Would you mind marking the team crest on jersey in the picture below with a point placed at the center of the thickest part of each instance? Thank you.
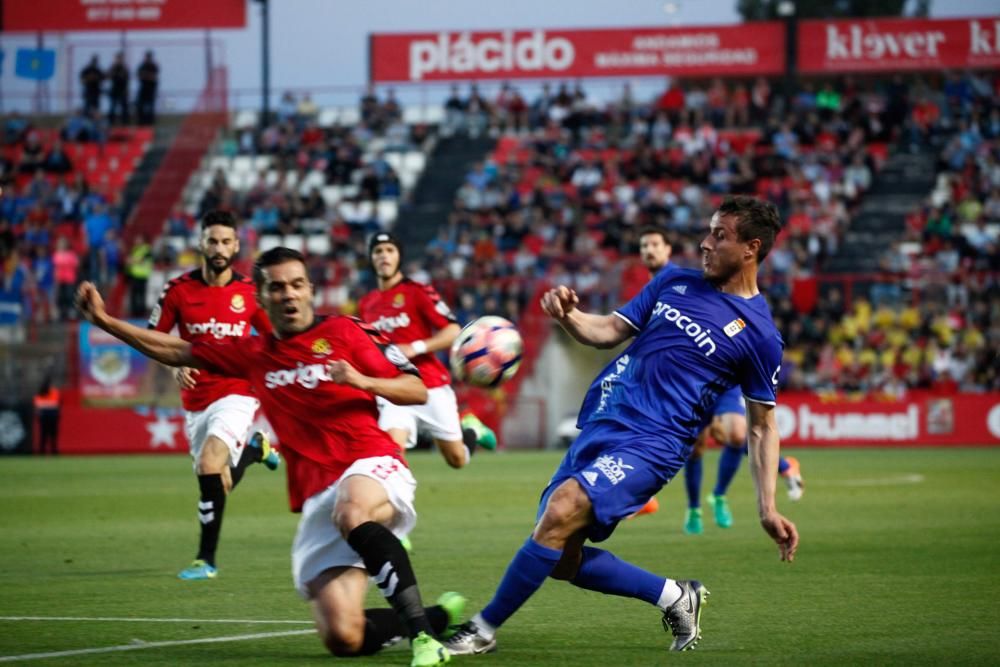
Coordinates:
(238, 304)
(321, 347)
(398, 301)
(735, 327)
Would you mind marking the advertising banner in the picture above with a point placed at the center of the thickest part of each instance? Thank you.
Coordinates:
(64, 15)
(16, 428)
(140, 430)
(114, 374)
(920, 419)
(890, 45)
(526, 54)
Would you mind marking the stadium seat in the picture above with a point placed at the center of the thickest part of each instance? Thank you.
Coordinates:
(218, 162)
(242, 164)
(245, 119)
(327, 117)
(295, 242)
(434, 114)
(388, 211)
(331, 194)
(413, 115)
(414, 161)
(318, 244)
(262, 163)
(268, 241)
(348, 116)
(395, 160)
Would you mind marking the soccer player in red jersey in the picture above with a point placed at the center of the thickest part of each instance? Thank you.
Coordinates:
(317, 379)
(215, 303)
(414, 317)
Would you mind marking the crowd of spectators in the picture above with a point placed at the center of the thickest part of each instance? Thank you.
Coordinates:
(563, 196)
(283, 197)
(571, 181)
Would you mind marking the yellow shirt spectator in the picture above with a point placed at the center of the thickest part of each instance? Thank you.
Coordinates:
(884, 318)
(909, 318)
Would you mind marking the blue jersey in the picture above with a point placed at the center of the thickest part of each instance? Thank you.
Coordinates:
(731, 401)
(693, 342)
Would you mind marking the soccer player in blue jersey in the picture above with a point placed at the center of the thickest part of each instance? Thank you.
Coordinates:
(696, 334)
(728, 426)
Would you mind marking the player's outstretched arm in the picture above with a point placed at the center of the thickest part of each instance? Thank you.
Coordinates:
(404, 389)
(601, 331)
(762, 435)
(441, 340)
(166, 349)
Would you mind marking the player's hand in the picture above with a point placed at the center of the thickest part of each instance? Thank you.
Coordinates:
(784, 534)
(185, 377)
(559, 302)
(407, 350)
(342, 372)
(89, 302)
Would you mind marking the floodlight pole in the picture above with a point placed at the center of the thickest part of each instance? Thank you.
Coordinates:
(265, 60)
(787, 10)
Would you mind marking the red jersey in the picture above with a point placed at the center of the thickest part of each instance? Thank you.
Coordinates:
(203, 312)
(407, 312)
(323, 427)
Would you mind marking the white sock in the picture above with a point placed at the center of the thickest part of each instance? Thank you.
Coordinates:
(485, 629)
(670, 594)
(468, 454)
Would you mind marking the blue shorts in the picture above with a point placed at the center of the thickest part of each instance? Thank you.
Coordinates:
(618, 472)
(731, 402)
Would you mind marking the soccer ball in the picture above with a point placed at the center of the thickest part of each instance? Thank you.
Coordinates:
(486, 352)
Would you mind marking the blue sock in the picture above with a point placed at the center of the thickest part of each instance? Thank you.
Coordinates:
(532, 564)
(782, 465)
(604, 572)
(729, 463)
(692, 482)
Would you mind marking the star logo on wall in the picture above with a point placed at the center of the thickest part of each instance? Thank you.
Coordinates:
(161, 432)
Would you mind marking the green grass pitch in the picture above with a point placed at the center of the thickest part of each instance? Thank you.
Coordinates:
(898, 565)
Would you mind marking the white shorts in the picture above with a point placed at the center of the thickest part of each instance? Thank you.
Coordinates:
(438, 416)
(229, 419)
(318, 544)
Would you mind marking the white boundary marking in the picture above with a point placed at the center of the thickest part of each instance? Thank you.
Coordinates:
(147, 620)
(894, 480)
(145, 645)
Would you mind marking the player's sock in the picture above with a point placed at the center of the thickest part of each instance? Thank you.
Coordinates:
(692, 482)
(211, 505)
(783, 465)
(384, 627)
(531, 565)
(604, 572)
(469, 438)
(729, 464)
(249, 456)
(389, 565)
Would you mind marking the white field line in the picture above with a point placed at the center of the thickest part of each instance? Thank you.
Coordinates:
(145, 645)
(893, 480)
(148, 620)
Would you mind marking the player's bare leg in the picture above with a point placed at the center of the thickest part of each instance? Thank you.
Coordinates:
(361, 515)
(217, 476)
(401, 437)
(214, 483)
(456, 453)
(692, 482)
(730, 430)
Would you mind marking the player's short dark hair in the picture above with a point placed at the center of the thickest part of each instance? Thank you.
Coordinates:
(758, 219)
(647, 230)
(273, 257)
(224, 218)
